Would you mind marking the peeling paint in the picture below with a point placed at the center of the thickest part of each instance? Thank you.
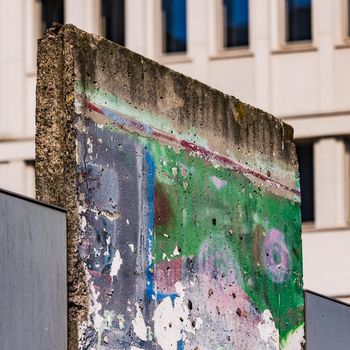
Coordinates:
(171, 320)
(295, 340)
(121, 320)
(139, 324)
(268, 332)
(132, 247)
(180, 242)
(176, 251)
(116, 263)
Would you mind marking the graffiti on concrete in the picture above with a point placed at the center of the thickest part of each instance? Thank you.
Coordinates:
(183, 247)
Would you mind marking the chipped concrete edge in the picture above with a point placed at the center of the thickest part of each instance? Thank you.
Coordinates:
(55, 167)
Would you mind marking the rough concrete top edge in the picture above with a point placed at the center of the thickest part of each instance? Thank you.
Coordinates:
(236, 122)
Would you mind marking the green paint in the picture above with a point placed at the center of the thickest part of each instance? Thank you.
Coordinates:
(238, 210)
(235, 217)
(239, 214)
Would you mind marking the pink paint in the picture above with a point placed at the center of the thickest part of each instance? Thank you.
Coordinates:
(167, 273)
(183, 171)
(218, 183)
(223, 301)
(276, 256)
(225, 296)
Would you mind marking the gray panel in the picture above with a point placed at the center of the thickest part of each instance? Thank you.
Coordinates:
(327, 323)
(33, 293)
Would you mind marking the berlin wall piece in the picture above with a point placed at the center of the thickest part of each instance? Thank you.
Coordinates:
(183, 204)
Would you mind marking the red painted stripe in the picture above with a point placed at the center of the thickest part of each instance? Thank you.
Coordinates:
(192, 147)
(93, 107)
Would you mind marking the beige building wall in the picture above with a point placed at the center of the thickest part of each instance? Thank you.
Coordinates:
(307, 85)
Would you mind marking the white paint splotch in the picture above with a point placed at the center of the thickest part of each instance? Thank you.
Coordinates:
(295, 340)
(171, 320)
(116, 263)
(132, 247)
(268, 331)
(139, 324)
(95, 306)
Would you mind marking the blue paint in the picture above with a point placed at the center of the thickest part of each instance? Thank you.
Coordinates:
(114, 116)
(180, 345)
(117, 118)
(150, 292)
(172, 296)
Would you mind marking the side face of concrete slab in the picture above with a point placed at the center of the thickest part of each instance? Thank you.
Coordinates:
(33, 295)
(184, 204)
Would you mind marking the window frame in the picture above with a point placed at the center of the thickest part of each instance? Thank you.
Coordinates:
(235, 51)
(170, 57)
(308, 225)
(302, 45)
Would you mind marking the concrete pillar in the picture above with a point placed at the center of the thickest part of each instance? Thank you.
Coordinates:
(323, 28)
(339, 21)
(330, 189)
(152, 29)
(86, 14)
(12, 68)
(136, 26)
(197, 37)
(276, 24)
(32, 32)
(261, 46)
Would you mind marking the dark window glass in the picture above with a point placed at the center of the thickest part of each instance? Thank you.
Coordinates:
(174, 26)
(113, 20)
(306, 169)
(298, 20)
(52, 11)
(236, 23)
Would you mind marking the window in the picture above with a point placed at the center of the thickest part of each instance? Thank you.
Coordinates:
(113, 20)
(52, 11)
(298, 20)
(306, 169)
(236, 23)
(174, 26)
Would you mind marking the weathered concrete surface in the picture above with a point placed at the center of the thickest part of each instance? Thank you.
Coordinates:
(184, 204)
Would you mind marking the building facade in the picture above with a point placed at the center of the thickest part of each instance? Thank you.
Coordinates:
(288, 57)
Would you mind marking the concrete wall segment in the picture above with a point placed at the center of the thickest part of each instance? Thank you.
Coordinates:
(169, 185)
